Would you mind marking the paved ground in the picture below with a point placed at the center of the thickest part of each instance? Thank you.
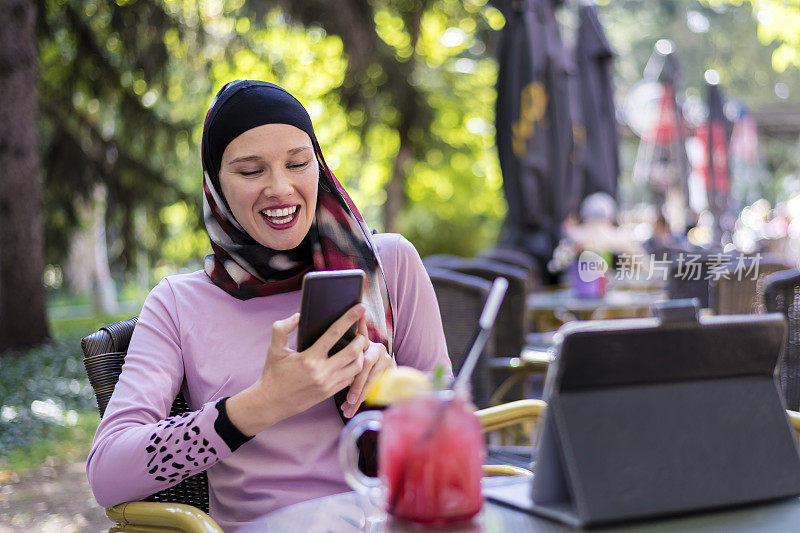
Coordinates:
(51, 498)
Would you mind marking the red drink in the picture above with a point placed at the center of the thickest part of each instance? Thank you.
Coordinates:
(430, 454)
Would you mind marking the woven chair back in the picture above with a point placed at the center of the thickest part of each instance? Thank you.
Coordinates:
(782, 295)
(512, 320)
(104, 356)
(742, 291)
(461, 299)
(516, 258)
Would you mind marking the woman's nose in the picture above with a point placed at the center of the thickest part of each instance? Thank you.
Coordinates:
(277, 184)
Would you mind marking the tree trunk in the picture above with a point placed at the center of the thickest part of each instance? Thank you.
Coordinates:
(87, 268)
(104, 293)
(396, 187)
(23, 320)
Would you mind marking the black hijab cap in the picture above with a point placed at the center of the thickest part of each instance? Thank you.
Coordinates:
(242, 105)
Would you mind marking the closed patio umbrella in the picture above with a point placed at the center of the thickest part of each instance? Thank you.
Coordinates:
(594, 59)
(661, 159)
(534, 130)
(715, 135)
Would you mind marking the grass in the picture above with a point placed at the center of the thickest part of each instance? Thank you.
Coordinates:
(47, 407)
(65, 444)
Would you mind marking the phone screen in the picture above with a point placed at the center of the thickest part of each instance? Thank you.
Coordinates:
(327, 295)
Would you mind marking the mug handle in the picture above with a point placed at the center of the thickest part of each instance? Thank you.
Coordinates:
(348, 455)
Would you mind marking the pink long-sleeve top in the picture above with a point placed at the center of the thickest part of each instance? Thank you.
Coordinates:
(193, 337)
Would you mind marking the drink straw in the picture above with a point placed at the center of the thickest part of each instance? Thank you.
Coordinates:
(485, 323)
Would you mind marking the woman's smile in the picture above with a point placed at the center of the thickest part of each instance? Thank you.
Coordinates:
(281, 217)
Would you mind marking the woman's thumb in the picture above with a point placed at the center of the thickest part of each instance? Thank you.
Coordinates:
(282, 328)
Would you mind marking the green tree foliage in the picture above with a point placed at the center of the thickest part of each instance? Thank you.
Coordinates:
(778, 23)
(401, 94)
(417, 90)
(118, 106)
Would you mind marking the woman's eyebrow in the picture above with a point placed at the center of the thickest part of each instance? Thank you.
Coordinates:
(245, 158)
(299, 149)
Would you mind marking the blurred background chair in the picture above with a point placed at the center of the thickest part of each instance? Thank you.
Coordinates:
(512, 324)
(742, 291)
(461, 298)
(690, 275)
(782, 295)
(182, 507)
(514, 257)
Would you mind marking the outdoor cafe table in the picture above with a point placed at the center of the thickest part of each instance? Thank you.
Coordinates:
(616, 303)
(350, 512)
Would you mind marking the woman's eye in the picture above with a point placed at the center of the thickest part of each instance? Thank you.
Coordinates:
(297, 165)
(249, 172)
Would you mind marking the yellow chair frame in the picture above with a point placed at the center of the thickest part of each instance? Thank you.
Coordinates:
(508, 414)
(152, 517)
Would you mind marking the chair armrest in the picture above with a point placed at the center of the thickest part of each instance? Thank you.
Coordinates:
(511, 413)
(152, 516)
(505, 470)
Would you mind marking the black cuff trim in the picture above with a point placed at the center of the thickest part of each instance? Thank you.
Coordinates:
(225, 428)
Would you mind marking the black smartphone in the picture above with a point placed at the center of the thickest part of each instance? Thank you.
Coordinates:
(327, 295)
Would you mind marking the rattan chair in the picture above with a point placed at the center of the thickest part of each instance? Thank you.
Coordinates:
(782, 295)
(512, 322)
(182, 507)
(742, 290)
(461, 298)
(514, 257)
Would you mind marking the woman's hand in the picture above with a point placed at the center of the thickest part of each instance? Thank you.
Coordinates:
(294, 381)
(376, 360)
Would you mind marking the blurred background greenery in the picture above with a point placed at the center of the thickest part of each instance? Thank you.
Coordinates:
(401, 93)
(402, 96)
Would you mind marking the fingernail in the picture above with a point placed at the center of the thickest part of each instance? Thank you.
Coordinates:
(351, 398)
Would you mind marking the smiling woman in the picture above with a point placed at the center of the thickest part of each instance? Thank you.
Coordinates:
(264, 428)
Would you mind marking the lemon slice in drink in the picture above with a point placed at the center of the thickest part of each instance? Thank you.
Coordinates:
(396, 384)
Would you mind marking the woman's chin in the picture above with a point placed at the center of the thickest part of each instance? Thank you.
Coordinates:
(280, 240)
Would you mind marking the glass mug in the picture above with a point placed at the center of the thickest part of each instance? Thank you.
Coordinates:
(430, 456)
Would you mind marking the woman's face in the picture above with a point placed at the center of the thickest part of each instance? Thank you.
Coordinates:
(269, 177)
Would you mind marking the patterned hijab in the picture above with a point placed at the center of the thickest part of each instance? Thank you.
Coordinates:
(338, 238)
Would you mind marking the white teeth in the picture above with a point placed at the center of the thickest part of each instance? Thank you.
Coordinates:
(280, 212)
(286, 214)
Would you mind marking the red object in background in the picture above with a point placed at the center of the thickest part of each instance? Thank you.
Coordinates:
(722, 184)
(665, 128)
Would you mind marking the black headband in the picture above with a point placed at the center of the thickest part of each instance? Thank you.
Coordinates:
(242, 105)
